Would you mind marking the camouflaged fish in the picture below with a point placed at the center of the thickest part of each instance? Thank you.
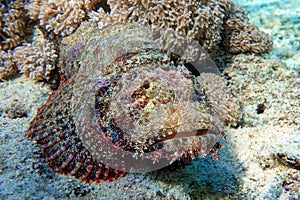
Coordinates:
(127, 105)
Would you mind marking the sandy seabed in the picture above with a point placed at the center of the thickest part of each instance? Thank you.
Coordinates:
(248, 166)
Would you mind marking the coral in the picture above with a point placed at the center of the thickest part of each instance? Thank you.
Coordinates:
(36, 60)
(13, 19)
(61, 17)
(209, 22)
(175, 24)
(128, 107)
(8, 67)
(240, 36)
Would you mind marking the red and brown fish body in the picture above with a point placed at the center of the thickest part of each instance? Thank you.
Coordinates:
(128, 106)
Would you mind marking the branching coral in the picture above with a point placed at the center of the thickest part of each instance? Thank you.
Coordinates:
(240, 36)
(210, 22)
(36, 60)
(8, 67)
(12, 24)
(60, 17)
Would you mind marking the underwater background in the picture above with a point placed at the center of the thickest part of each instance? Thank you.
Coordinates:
(260, 158)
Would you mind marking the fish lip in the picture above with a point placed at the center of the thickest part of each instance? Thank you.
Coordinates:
(159, 142)
(185, 134)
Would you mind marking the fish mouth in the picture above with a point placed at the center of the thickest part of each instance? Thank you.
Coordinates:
(156, 143)
(184, 134)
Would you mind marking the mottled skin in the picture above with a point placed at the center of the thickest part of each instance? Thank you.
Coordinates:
(145, 112)
(54, 129)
